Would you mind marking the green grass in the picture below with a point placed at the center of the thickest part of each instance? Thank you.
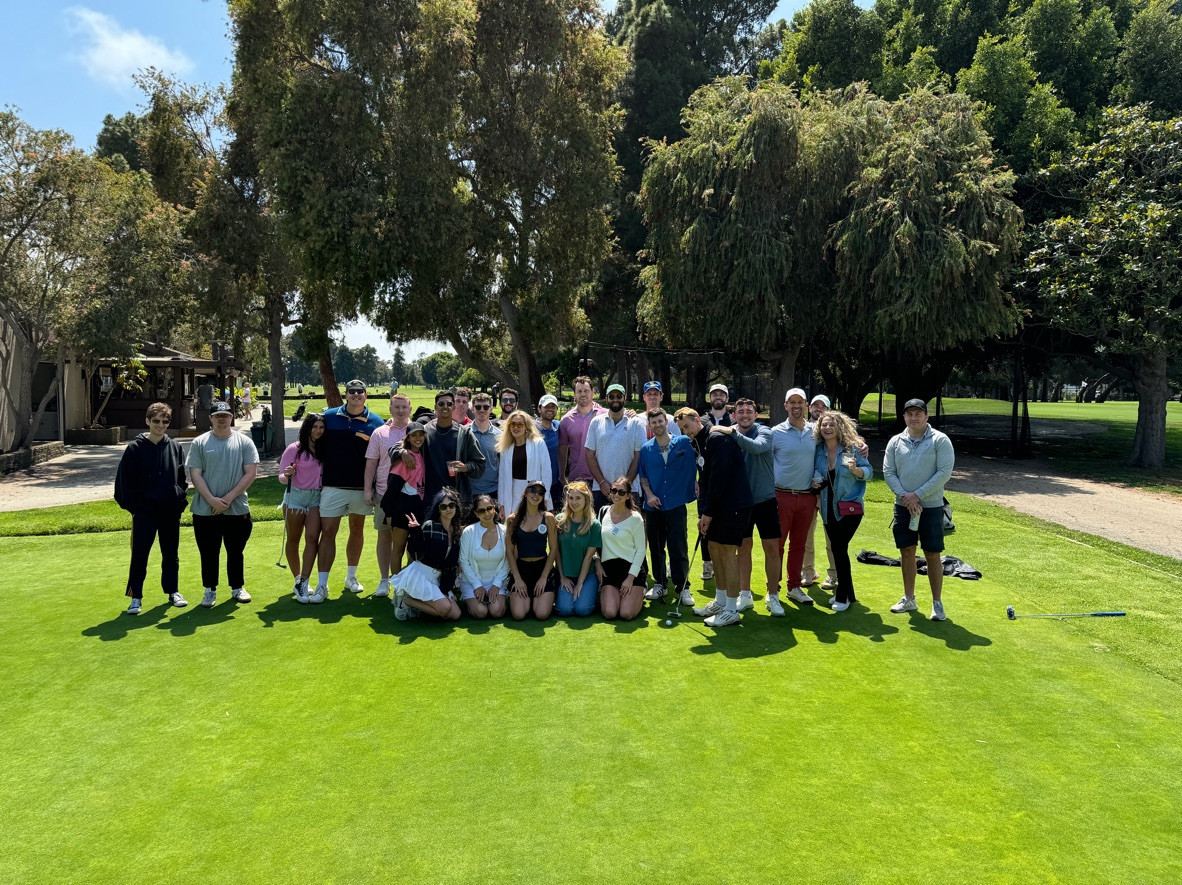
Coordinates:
(1090, 440)
(279, 742)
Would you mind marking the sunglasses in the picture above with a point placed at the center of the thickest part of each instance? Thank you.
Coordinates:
(447, 505)
(619, 492)
(484, 509)
(442, 404)
(356, 391)
(745, 402)
(508, 402)
(534, 490)
(482, 407)
(163, 421)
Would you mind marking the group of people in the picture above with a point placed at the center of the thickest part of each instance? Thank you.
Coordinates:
(522, 515)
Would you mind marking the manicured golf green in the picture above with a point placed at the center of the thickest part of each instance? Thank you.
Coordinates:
(276, 742)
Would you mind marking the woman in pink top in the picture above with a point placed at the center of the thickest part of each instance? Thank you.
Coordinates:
(299, 470)
(404, 493)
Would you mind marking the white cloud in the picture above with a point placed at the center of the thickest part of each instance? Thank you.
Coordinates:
(111, 54)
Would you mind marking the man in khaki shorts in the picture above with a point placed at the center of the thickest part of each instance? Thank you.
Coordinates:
(347, 431)
(377, 470)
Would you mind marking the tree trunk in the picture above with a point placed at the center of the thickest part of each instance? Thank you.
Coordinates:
(529, 379)
(328, 377)
(479, 363)
(278, 372)
(1153, 392)
(785, 373)
(910, 378)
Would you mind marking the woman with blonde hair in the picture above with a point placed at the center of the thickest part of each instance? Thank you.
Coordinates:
(523, 456)
(579, 538)
(840, 471)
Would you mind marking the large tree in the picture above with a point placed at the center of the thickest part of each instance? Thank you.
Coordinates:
(1110, 266)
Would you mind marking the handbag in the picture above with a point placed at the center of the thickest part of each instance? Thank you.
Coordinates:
(849, 508)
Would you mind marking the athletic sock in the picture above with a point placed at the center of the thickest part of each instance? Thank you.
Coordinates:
(745, 595)
(732, 603)
(720, 596)
(322, 581)
(350, 573)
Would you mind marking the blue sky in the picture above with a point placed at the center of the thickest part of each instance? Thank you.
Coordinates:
(65, 65)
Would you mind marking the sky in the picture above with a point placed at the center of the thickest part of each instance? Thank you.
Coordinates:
(66, 65)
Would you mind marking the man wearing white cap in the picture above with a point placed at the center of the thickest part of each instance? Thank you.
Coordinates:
(818, 406)
(613, 447)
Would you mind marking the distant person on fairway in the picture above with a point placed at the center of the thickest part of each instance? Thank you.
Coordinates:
(222, 464)
(150, 484)
(918, 463)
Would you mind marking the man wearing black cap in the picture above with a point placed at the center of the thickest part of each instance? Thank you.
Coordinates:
(347, 430)
(918, 463)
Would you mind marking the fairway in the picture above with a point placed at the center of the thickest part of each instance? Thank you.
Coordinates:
(278, 742)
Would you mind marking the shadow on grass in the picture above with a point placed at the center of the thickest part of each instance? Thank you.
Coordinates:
(189, 621)
(952, 634)
(123, 624)
(333, 610)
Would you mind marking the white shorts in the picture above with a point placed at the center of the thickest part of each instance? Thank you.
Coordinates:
(336, 502)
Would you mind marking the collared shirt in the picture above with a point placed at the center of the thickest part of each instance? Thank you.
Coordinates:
(671, 477)
(793, 452)
(572, 432)
(921, 466)
(615, 444)
(379, 449)
(343, 446)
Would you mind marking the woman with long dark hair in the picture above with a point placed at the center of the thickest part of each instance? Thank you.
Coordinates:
(532, 548)
(622, 571)
(484, 563)
(404, 497)
(426, 585)
(299, 470)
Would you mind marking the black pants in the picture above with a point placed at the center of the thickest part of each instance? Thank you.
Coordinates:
(146, 527)
(840, 531)
(211, 532)
(667, 529)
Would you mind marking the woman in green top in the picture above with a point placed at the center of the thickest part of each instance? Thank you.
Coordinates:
(579, 538)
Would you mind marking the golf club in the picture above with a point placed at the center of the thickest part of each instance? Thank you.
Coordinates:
(283, 539)
(676, 613)
(1013, 616)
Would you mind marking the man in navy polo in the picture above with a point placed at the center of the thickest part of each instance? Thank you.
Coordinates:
(667, 470)
(347, 430)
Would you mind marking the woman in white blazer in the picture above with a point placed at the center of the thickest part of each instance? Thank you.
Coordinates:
(524, 456)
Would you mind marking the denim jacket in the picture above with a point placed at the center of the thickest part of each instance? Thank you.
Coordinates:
(849, 487)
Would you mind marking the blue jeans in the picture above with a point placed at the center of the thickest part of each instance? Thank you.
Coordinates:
(566, 605)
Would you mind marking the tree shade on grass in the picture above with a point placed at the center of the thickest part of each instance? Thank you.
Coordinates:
(275, 741)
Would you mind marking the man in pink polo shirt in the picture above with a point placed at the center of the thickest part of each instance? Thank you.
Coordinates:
(377, 469)
(572, 433)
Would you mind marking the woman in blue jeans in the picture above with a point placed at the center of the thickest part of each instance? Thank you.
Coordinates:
(579, 537)
(841, 473)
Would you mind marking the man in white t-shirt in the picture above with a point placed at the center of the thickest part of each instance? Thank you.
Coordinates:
(613, 447)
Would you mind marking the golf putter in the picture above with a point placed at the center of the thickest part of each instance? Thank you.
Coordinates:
(1013, 616)
(283, 539)
(676, 613)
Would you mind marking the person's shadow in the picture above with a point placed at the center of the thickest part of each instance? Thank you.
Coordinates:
(195, 617)
(952, 634)
(123, 624)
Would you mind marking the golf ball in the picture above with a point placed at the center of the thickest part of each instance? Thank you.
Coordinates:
(668, 623)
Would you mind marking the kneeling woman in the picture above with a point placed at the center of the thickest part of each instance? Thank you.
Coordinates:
(841, 474)
(484, 564)
(623, 571)
(533, 552)
(579, 538)
(426, 584)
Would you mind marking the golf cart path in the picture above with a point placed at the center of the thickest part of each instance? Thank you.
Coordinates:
(1140, 519)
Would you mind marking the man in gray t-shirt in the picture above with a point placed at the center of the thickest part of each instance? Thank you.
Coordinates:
(222, 464)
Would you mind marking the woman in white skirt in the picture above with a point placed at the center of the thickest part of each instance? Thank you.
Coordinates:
(524, 456)
(484, 567)
(426, 585)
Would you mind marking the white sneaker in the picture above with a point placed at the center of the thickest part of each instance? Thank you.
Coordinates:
(240, 595)
(707, 571)
(807, 580)
(687, 598)
(177, 601)
(906, 604)
(724, 618)
(938, 611)
(840, 606)
(210, 598)
(135, 607)
(401, 609)
(301, 590)
(798, 595)
(746, 603)
(319, 595)
(709, 609)
(830, 585)
(656, 593)
(353, 585)
(774, 607)
(383, 589)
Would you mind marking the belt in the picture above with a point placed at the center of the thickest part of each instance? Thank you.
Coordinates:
(796, 491)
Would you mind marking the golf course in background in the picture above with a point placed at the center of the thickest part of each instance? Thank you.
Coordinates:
(274, 742)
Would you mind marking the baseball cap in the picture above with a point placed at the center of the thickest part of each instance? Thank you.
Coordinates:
(535, 484)
(795, 391)
(653, 385)
(915, 403)
(715, 387)
(548, 400)
(612, 388)
(220, 408)
(822, 398)
(355, 383)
